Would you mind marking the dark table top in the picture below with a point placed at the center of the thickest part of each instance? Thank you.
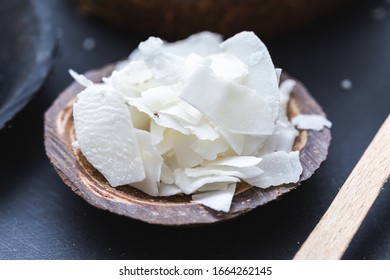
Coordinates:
(41, 218)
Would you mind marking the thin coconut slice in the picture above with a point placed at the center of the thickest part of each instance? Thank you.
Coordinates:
(157, 132)
(163, 106)
(163, 120)
(285, 89)
(181, 145)
(170, 161)
(217, 200)
(131, 79)
(314, 122)
(279, 168)
(168, 189)
(261, 71)
(194, 61)
(167, 176)
(242, 173)
(296, 165)
(157, 98)
(165, 145)
(220, 186)
(235, 161)
(252, 143)
(203, 44)
(81, 79)
(234, 140)
(181, 111)
(278, 73)
(106, 137)
(209, 150)
(135, 72)
(282, 139)
(139, 119)
(202, 130)
(166, 67)
(242, 144)
(217, 99)
(228, 67)
(152, 162)
(190, 185)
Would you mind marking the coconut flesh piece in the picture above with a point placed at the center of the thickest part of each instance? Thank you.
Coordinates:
(105, 136)
(314, 122)
(196, 117)
(279, 168)
(262, 76)
(81, 79)
(217, 200)
(218, 99)
(152, 163)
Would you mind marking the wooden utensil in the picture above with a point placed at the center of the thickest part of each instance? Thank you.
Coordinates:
(333, 234)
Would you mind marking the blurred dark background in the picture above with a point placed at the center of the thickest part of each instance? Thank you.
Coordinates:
(344, 61)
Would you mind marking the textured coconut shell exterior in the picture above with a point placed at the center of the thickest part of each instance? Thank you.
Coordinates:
(173, 19)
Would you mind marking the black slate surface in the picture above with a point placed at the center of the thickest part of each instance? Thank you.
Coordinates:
(41, 218)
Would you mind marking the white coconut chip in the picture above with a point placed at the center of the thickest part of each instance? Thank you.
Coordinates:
(152, 163)
(81, 79)
(241, 144)
(168, 189)
(252, 143)
(217, 99)
(202, 44)
(217, 200)
(282, 139)
(190, 185)
(105, 136)
(228, 67)
(278, 73)
(203, 130)
(234, 140)
(139, 119)
(194, 61)
(220, 186)
(135, 72)
(243, 172)
(158, 98)
(165, 145)
(163, 120)
(179, 111)
(157, 132)
(235, 161)
(170, 161)
(313, 122)
(167, 176)
(279, 168)
(181, 145)
(166, 67)
(209, 150)
(284, 91)
(261, 77)
(131, 79)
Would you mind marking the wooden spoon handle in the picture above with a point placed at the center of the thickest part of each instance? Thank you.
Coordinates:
(332, 235)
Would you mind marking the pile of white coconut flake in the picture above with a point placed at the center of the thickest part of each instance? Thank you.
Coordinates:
(196, 117)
